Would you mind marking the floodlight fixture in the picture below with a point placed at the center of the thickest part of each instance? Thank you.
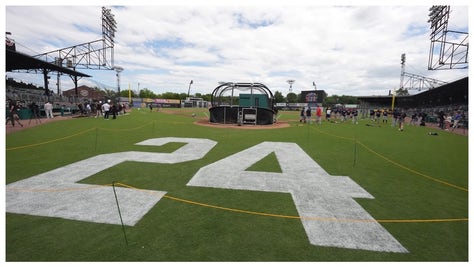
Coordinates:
(449, 49)
(109, 25)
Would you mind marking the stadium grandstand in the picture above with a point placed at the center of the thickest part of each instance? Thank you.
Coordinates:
(448, 99)
(27, 93)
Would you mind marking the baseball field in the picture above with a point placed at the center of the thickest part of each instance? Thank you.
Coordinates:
(167, 186)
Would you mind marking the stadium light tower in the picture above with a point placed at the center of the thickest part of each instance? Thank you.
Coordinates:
(403, 58)
(314, 84)
(291, 82)
(448, 49)
(415, 81)
(118, 69)
(96, 55)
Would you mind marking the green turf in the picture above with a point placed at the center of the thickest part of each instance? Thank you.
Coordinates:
(412, 175)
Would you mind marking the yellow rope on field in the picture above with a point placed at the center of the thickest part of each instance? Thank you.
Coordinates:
(248, 211)
(396, 163)
(76, 134)
(50, 141)
(304, 218)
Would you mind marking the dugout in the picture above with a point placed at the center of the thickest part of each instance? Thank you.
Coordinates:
(242, 103)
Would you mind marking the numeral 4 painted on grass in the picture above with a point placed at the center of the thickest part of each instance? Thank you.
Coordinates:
(325, 203)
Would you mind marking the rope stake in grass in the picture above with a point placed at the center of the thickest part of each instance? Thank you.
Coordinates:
(355, 152)
(96, 134)
(120, 214)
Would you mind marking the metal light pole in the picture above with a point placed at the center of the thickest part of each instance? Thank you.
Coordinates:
(189, 89)
(403, 58)
(118, 70)
(291, 82)
(314, 84)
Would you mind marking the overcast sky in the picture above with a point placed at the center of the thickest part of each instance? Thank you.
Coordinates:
(351, 50)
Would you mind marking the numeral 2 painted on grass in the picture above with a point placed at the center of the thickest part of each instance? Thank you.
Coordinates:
(57, 193)
(325, 203)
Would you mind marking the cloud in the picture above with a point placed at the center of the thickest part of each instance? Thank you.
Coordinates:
(352, 50)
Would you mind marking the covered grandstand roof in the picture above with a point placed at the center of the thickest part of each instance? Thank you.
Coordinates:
(19, 61)
(454, 93)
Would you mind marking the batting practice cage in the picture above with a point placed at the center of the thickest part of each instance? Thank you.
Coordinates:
(242, 103)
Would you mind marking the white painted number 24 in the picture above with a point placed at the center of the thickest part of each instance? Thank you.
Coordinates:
(325, 203)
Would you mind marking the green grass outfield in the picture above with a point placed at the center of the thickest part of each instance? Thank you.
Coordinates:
(419, 183)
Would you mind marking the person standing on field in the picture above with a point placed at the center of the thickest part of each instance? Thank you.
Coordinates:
(355, 113)
(48, 109)
(328, 114)
(13, 116)
(319, 113)
(401, 121)
(106, 110)
(302, 115)
(98, 110)
(308, 115)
